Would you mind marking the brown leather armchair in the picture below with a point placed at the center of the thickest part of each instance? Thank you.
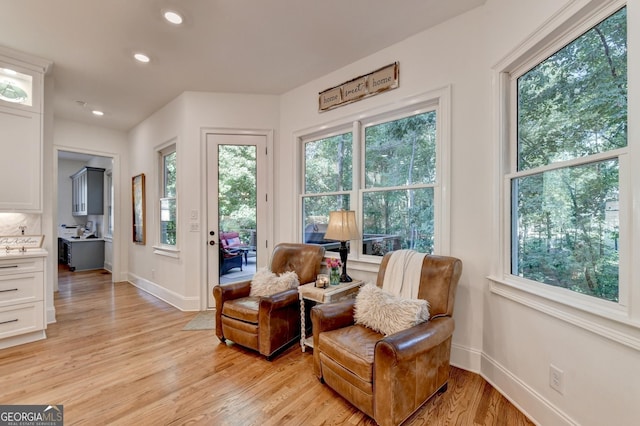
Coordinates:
(388, 378)
(267, 324)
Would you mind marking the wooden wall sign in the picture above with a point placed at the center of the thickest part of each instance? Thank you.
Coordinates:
(380, 80)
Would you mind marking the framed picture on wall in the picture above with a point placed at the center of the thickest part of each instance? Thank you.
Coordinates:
(138, 195)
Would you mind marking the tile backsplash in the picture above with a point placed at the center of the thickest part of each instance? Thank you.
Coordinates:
(10, 223)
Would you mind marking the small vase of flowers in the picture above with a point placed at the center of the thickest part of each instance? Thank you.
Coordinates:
(334, 270)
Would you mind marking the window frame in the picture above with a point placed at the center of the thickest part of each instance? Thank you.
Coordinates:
(437, 100)
(161, 248)
(579, 309)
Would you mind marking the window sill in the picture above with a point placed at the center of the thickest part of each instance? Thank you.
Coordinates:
(610, 322)
(166, 251)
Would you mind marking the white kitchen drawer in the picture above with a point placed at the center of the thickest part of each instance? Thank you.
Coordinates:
(20, 319)
(21, 288)
(18, 266)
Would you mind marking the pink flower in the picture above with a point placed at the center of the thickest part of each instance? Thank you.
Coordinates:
(333, 262)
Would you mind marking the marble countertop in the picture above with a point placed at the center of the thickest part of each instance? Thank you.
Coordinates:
(81, 239)
(15, 254)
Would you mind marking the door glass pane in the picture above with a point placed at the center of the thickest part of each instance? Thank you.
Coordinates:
(237, 212)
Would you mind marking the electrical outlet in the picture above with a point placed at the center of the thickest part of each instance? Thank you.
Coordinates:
(194, 214)
(194, 227)
(153, 273)
(556, 379)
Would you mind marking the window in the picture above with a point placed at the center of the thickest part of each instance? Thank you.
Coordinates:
(568, 144)
(168, 231)
(399, 180)
(385, 167)
(327, 183)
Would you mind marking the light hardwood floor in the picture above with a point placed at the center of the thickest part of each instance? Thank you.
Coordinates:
(119, 356)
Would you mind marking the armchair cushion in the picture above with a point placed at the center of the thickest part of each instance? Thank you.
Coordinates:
(266, 283)
(234, 242)
(386, 313)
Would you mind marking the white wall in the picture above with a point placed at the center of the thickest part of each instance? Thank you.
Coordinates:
(426, 63)
(101, 142)
(182, 281)
(508, 343)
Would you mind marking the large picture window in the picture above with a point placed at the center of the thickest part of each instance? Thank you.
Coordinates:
(570, 116)
(385, 167)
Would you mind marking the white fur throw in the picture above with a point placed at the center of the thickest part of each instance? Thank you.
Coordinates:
(266, 283)
(385, 313)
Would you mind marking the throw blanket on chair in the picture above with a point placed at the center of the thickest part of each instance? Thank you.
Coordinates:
(402, 276)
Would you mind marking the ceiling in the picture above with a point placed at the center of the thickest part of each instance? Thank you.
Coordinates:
(237, 46)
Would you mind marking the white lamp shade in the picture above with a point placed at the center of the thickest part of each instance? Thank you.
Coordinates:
(342, 226)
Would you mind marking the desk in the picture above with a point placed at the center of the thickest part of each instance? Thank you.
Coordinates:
(333, 293)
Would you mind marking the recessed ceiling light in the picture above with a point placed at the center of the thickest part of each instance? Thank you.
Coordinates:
(141, 57)
(97, 112)
(172, 16)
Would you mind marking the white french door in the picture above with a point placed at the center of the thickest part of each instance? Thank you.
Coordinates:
(236, 207)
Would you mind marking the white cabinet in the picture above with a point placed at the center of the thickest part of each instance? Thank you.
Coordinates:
(21, 94)
(87, 191)
(21, 160)
(22, 289)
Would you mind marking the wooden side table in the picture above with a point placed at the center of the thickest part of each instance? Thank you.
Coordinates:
(332, 293)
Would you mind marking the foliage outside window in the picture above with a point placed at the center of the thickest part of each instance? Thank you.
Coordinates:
(328, 177)
(397, 189)
(400, 173)
(168, 206)
(237, 183)
(565, 182)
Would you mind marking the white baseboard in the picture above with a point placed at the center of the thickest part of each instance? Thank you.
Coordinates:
(466, 358)
(171, 297)
(540, 410)
(22, 339)
(51, 315)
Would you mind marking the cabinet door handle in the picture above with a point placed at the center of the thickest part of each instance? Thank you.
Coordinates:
(8, 290)
(7, 322)
(8, 266)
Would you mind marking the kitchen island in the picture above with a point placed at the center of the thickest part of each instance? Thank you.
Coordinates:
(82, 254)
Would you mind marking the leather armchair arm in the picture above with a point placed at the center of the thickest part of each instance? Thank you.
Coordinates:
(400, 362)
(279, 317)
(279, 300)
(409, 343)
(225, 292)
(332, 316)
(232, 291)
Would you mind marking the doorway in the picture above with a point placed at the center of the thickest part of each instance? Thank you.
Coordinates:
(84, 224)
(236, 207)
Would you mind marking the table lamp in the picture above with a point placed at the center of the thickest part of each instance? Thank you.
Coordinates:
(342, 227)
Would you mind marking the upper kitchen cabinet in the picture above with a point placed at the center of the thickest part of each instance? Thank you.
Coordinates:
(21, 122)
(87, 191)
